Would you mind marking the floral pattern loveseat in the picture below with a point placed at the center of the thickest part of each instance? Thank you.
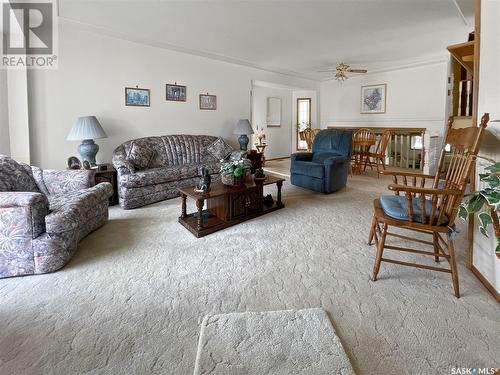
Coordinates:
(151, 169)
(44, 214)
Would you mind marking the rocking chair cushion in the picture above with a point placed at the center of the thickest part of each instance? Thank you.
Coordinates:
(395, 206)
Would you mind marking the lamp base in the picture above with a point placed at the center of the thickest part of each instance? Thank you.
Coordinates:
(243, 141)
(88, 150)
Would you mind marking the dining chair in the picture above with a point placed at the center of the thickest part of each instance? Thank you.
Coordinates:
(428, 210)
(379, 155)
(362, 140)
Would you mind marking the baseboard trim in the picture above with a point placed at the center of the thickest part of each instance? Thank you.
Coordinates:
(281, 158)
(486, 283)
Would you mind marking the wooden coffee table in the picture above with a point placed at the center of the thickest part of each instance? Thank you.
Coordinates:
(227, 205)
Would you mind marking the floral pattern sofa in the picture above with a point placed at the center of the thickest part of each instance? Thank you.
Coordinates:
(151, 169)
(44, 214)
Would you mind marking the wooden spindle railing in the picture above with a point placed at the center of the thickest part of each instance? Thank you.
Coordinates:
(404, 151)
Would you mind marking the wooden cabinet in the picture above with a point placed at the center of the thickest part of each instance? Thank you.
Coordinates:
(237, 204)
(108, 175)
(245, 203)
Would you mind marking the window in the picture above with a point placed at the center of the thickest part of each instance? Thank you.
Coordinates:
(416, 142)
(303, 120)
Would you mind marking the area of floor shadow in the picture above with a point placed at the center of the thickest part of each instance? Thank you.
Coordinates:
(117, 235)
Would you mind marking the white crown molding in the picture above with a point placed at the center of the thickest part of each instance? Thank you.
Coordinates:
(154, 43)
(460, 13)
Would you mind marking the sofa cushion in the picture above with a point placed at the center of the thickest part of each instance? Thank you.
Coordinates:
(70, 210)
(16, 176)
(395, 206)
(220, 149)
(154, 176)
(140, 156)
(308, 168)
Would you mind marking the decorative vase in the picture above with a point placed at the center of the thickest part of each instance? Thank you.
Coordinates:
(232, 180)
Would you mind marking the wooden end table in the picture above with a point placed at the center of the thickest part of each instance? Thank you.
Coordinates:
(227, 205)
(108, 175)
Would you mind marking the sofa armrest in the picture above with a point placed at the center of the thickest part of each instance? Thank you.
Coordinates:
(123, 166)
(301, 156)
(64, 181)
(120, 162)
(24, 209)
(336, 160)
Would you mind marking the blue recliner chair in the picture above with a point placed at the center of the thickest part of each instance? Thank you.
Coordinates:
(326, 168)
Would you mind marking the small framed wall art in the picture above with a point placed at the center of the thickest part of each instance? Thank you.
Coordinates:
(134, 96)
(373, 98)
(208, 102)
(175, 92)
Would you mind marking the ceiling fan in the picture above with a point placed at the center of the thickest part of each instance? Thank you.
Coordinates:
(340, 71)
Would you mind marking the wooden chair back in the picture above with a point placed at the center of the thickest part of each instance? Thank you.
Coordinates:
(308, 136)
(363, 134)
(465, 144)
(384, 142)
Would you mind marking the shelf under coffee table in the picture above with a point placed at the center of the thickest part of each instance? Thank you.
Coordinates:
(227, 205)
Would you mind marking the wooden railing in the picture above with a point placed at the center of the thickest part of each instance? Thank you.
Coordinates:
(465, 97)
(406, 149)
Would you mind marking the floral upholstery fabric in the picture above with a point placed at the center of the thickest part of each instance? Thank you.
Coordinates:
(64, 181)
(140, 156)
(16, 176)
(220, 149)
(39, 232)
(176, 163)
(166, 174)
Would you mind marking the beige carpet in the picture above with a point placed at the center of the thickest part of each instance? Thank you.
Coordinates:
(288, 342)
(132, 299)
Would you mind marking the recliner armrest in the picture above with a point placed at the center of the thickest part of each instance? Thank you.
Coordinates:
(301, 156)
(336, 160)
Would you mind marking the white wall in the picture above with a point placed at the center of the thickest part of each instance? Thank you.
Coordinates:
(19, 131)
(416, 97)
(278, 139)
(4, 115)
(484, 258)
(93, 71)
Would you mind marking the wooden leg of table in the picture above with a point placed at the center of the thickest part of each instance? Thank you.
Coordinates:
(199, 205)
(183, 213)
(279, 203)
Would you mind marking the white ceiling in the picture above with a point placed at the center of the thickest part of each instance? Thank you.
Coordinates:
(294, 37)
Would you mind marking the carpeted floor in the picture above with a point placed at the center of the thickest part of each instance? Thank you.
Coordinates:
(132, 299)
(286, 342)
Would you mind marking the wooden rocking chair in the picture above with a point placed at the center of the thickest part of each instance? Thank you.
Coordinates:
(425, 210)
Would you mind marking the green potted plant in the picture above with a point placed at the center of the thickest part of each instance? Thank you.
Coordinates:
(486, 202)
(234, 172)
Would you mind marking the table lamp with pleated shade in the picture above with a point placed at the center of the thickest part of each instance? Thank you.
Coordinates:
(86, 129)
(243, 128)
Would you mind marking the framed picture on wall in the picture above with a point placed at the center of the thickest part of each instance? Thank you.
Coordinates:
(373, 98)
(137, 97)
(175, 92)
(208, 102)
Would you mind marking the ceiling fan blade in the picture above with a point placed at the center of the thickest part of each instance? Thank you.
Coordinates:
(327, 71)
(357, 70)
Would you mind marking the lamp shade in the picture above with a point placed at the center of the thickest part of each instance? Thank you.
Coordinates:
(243, 127)
(86, 127)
